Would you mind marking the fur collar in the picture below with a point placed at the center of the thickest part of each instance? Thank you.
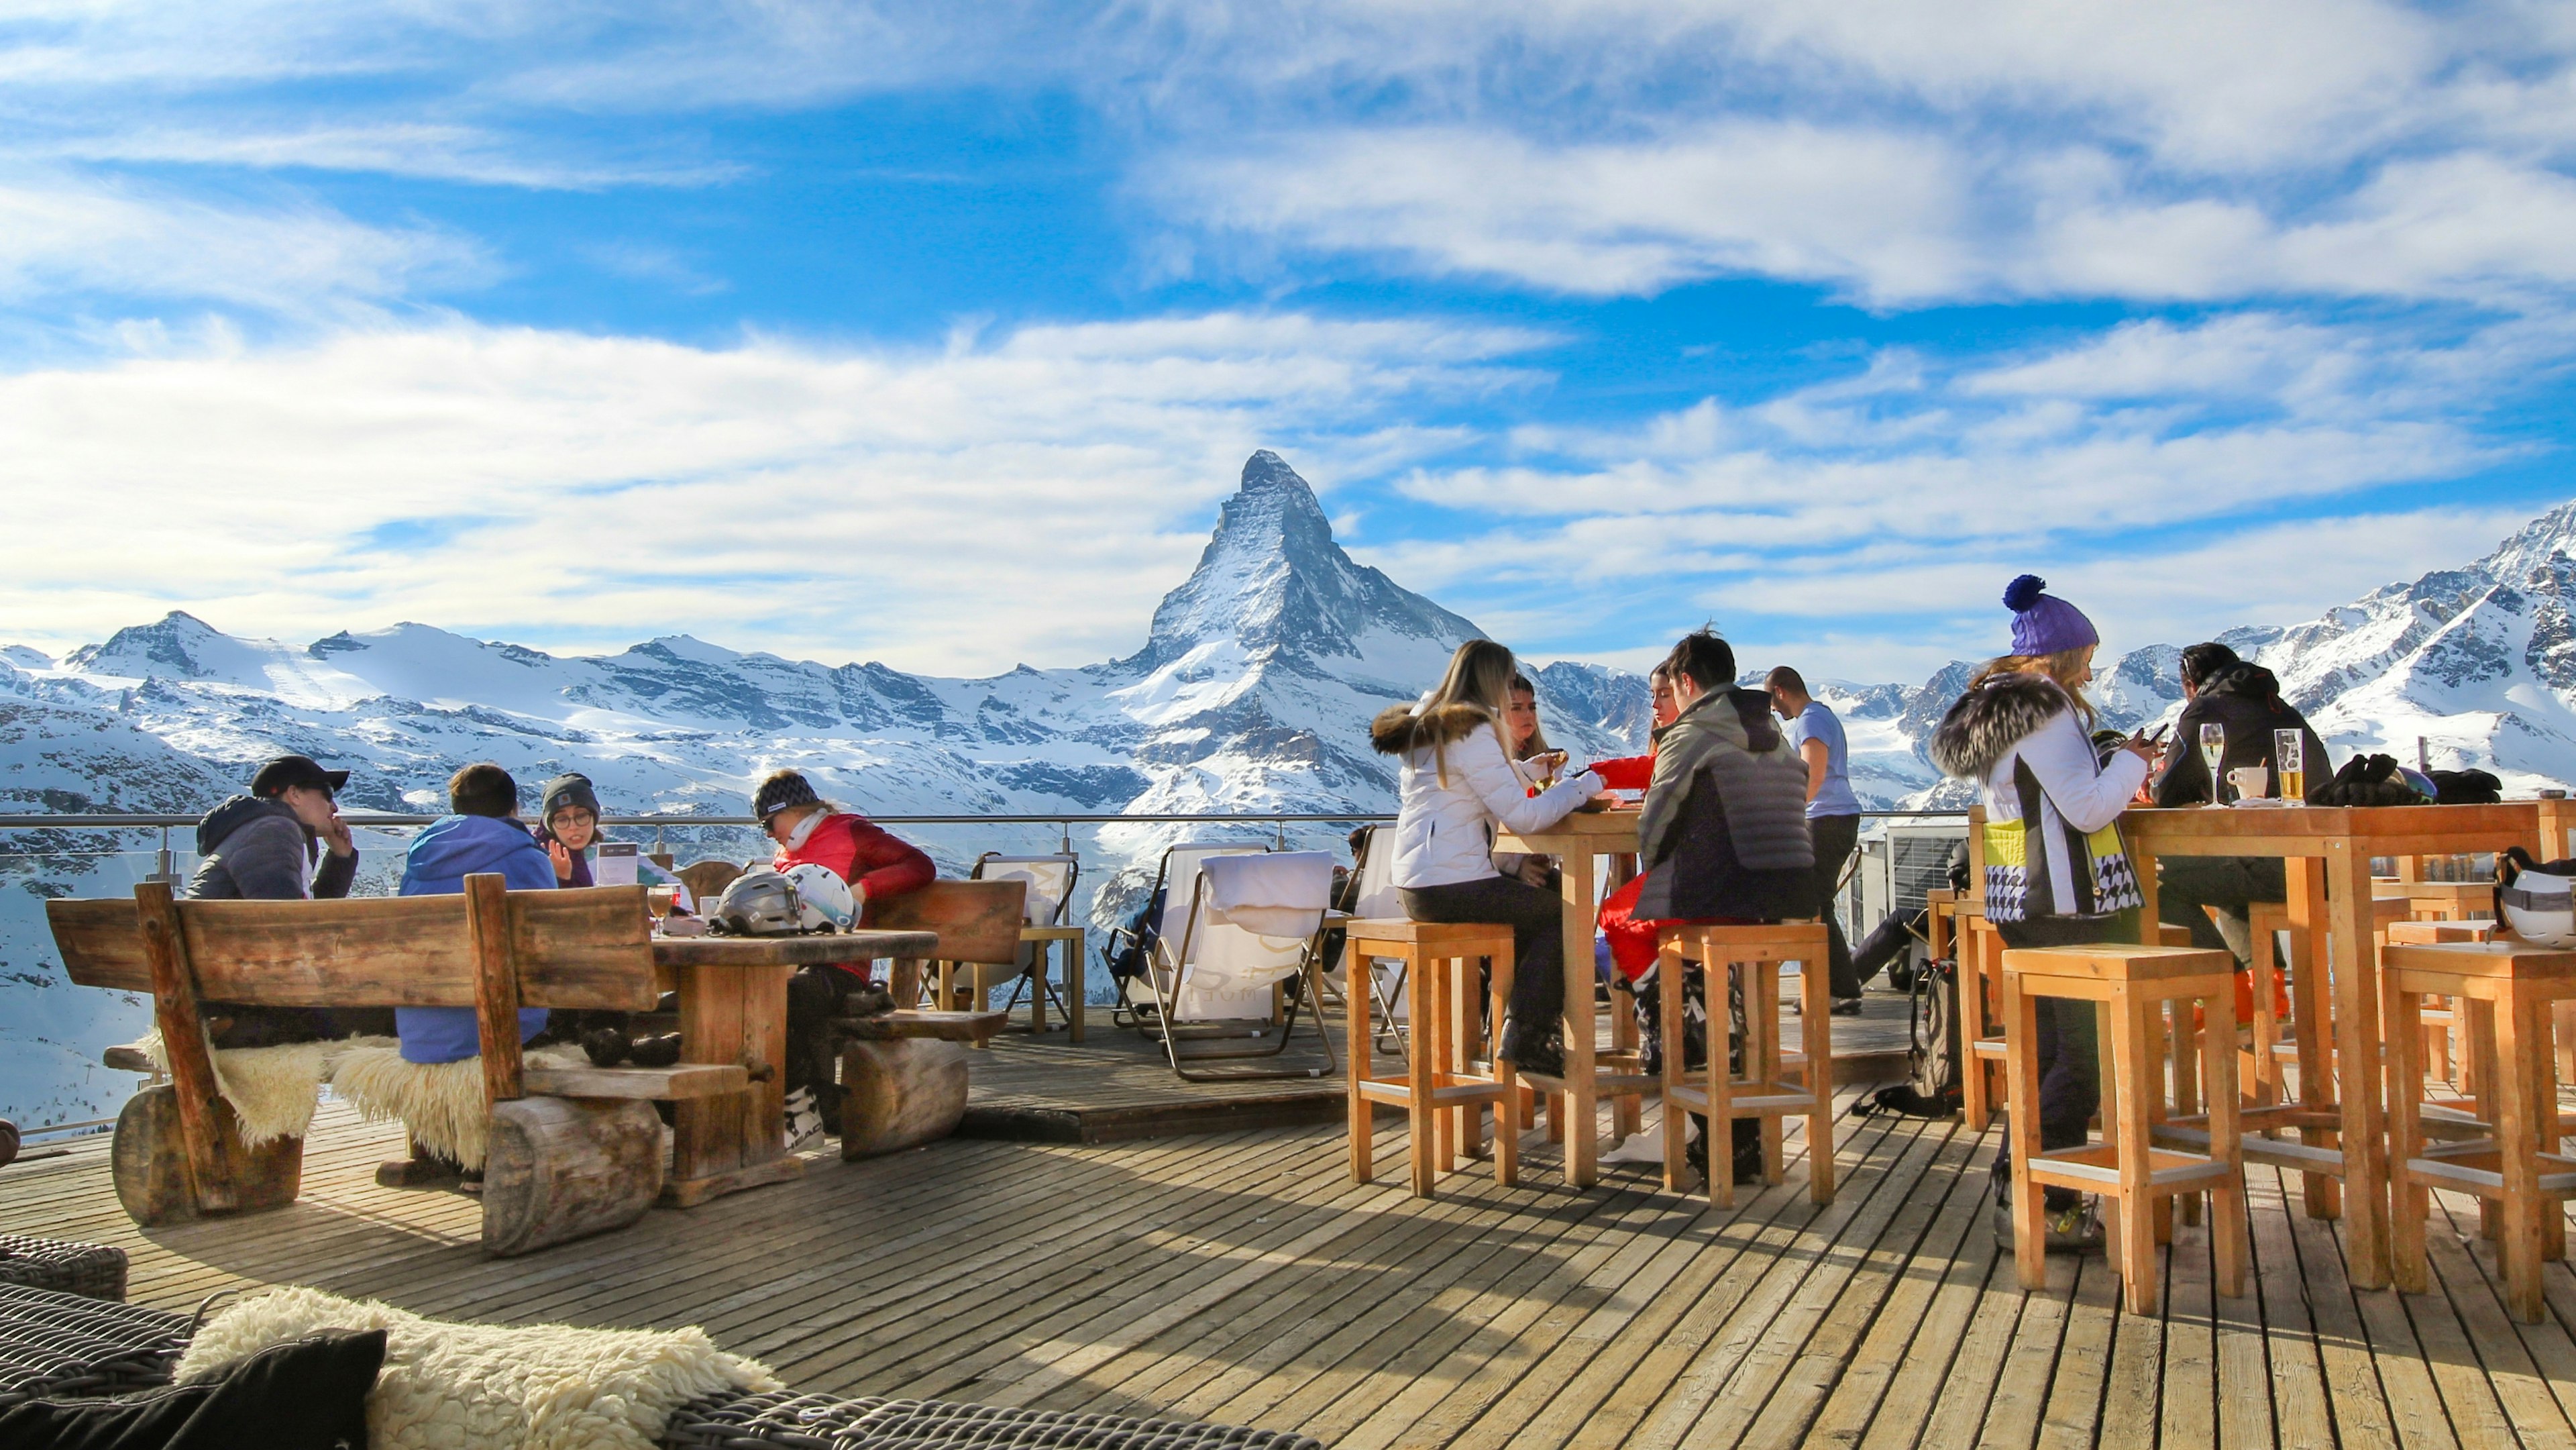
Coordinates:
(1399, 730)
(1988, 720)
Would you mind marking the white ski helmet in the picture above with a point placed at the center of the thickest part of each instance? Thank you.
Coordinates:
(759, 902)
(823, 897)
(2537, 905)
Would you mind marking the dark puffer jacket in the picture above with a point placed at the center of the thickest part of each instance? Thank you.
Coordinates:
(1724, 830)
(2245, 701)
(255, 849)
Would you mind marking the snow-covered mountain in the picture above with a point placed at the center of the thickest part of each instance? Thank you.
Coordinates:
(1251, 693)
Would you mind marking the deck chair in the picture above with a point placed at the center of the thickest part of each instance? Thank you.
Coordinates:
(1129, 951)
(1376, 897)
(1051, 880)
(1250, 921)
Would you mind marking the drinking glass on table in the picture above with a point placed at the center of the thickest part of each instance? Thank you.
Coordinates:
(2213, 749)
(2289, 760)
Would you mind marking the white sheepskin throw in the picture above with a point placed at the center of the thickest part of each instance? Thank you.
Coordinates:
(441, 1104)
(545, 1387)
(271, 1089)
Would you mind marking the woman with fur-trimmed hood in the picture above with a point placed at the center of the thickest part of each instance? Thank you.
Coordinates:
(1458, 783)
(2055, 871)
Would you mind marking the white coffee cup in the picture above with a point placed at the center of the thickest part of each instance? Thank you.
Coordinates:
(2252, 782)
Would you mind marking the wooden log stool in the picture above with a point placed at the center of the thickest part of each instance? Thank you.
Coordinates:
(1443, 1098)
(2507, 991)
(2127, 1168)
(1753, 956)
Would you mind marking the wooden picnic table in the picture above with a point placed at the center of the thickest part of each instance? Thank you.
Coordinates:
(1575, 841)
(2327, 850)
(733, 1009)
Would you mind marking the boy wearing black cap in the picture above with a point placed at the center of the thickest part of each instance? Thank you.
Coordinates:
(270, 845)
(283, 841)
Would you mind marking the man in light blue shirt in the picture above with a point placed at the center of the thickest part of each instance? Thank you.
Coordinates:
(1833, 812)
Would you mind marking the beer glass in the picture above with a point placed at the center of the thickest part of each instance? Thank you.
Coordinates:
(2213, 749)
(2289, 762)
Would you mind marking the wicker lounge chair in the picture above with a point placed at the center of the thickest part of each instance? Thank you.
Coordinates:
(822, 1422)
(92, 1270)
(57, 1344)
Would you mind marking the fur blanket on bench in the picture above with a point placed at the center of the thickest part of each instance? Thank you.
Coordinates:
(442, 1104)
(271, 1089)
(544, 1386)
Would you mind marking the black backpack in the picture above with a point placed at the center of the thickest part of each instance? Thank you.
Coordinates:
(1931, 1088)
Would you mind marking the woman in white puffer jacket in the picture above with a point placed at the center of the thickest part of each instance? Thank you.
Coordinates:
(1458, 784)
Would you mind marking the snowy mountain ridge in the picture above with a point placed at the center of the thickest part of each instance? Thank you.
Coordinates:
(1251, 693)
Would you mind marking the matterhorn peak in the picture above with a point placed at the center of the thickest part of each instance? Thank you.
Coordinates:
(1273, 583)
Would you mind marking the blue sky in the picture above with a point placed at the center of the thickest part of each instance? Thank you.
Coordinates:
(933, 335)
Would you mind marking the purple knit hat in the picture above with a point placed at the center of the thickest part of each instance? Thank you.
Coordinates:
(2044, 624)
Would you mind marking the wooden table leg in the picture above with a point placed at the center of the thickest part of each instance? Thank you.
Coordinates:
(1582, 1130)
(2357, 1066)
(2312, 999)
(721, 1144)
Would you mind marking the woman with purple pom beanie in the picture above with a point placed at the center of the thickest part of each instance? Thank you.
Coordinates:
(2056, 874)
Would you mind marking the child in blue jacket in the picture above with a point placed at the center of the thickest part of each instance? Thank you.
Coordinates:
(483, 835)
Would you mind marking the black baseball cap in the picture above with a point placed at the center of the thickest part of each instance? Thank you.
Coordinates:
(293, 770)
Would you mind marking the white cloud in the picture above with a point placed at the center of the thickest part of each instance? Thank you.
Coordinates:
(65, 234)
(958, 510)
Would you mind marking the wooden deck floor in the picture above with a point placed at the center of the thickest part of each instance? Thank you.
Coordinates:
(1241, 1277)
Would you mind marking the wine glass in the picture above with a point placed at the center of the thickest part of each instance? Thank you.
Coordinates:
(2213, 749)
(2289, 762)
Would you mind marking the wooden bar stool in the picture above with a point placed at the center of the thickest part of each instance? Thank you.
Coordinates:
(2509, 990)
(1443, 1099)
(1981, 1029)
(2127, 1168)
(1753, 955)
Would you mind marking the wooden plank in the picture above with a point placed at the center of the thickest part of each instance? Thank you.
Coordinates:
(2189, 1402)
(2268, 1377)
(496, 986)
(2523, 1402)
(101, 943)
(1857, 1353)
(213, 1168)
(586, 948)
(790, 951)
(2030, 1362)
(1717, 1400)
(406, 951)
(657, 1084)
(920, 1023)
(976, 921)
(2075, 1399)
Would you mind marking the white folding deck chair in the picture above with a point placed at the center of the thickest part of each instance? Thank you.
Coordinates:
(1051, 880)
(1238, 939)
(1172, 877)
(1376, 898)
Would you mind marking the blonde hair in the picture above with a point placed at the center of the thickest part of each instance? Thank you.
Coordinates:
(1480, 674)
(2064, 667)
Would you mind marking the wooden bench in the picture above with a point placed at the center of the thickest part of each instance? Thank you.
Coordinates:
(903, 1073)
(573, 1151)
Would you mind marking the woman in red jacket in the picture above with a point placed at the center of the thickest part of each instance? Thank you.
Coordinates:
(876, 865)
(854, 848)
(1632, 942)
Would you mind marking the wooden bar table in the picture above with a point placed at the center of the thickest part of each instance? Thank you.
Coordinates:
(733, 1009)
(2327, 850)
(1575, 841)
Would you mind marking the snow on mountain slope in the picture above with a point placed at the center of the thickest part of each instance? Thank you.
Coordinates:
(1252, 692)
